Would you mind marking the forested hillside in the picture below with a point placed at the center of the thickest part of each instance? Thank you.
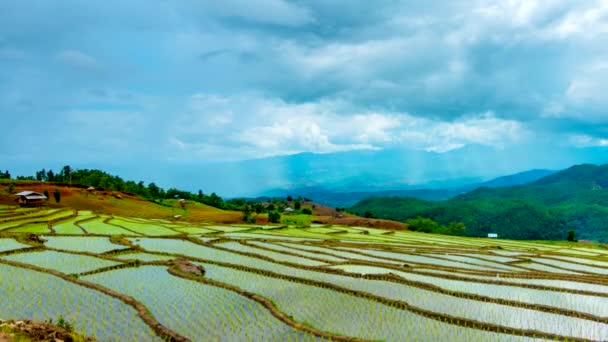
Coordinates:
(573, 199)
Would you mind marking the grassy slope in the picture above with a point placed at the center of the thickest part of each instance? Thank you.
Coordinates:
(128, 205)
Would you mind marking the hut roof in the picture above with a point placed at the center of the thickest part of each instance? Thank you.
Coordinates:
(32, 195)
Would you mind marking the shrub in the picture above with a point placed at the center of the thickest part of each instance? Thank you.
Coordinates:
(306, 211)
(422, 224)
(571, 235)
(62, 323)
(274, 217)
(57, 195)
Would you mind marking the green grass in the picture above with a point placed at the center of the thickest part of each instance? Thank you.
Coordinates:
(36, 228)
(69, 227)
(296, 220)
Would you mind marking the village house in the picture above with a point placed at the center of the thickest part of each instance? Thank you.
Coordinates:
(492, 235)
(31, 199)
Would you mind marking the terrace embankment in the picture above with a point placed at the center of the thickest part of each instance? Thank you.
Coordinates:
(20, 330)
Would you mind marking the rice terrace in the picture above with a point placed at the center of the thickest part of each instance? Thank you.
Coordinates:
(143, 279)
(303, 170)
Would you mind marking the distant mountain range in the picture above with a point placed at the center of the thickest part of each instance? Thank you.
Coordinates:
(427, 192)
(388, 169)
(546, 208)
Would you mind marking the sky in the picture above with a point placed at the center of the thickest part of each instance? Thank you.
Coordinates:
(123, 82)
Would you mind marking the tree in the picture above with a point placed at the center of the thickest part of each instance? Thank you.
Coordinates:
(214, 200)
(306, 211)
(274, 217)
(41, 175)
(57, 195)
(154, 190)
(258, 207)
(455, 228)
(199, 197)
(368, 214)
(270, 207)
(66, 173)
(7, 175)
(50, 176)
(247, 214)
(297, 205)
(289, 198)
(422, 224)
(571, 235)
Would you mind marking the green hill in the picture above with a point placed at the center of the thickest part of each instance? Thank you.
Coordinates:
(573, 199)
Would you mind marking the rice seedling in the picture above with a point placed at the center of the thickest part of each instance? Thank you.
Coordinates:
(198, 310)
(143, 257)
(346, 314)
(93, 244)
(273, 255)
(194, 230)
(572, 266)
(98, 226)
(7, 244)
(62, 262)
(281, 249)
(40, 296)
(594, 305)
(143, 228)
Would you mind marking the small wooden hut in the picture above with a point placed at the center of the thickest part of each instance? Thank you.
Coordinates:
(31, 199)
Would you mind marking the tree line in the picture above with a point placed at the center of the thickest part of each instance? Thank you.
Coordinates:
(104, 181)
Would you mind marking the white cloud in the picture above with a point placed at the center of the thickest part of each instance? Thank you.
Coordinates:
(584, 140)
(269, 127)
(484, 129)
(588, 22)
(584, 99)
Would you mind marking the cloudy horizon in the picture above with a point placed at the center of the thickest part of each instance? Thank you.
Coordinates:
(200, 81)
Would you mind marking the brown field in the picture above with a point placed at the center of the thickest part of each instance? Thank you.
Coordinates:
(328, 215)
(121, 204)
